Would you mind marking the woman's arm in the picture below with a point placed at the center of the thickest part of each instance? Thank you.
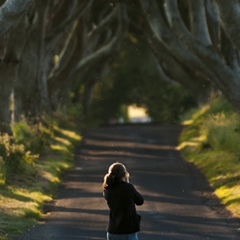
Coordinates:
(138, 198)
(105, 194)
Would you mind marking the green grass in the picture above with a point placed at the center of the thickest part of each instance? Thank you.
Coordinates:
(22, 199)
(211, 141)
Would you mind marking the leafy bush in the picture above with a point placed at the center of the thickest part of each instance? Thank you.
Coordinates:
(35, 137)
(211, 141)
(2, 172)
(216, 125)
(14, 158)
(220, 104)
(222, 132)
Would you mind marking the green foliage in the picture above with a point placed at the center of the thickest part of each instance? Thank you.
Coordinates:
(169, 103)
(134, 79)
(124, 113)
(2, 170)
(68, 117)
(221, 105)
(28, 183)
(35, 137)
(222, 131)
(217, 125)
(14, 158)
(211, 141)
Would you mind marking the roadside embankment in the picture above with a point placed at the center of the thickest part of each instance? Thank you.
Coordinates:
(32, 162)
(210, 140)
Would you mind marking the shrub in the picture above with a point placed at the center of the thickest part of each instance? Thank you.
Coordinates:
(222, 132)
(217, 127)
(214, 147)
(220, 104)
(35, 137)
(14, 158)
(2, 171)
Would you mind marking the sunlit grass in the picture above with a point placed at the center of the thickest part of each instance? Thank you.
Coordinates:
(193, 142)
(51, 170)
(13, 225)
(36, 196)
(59, 148)
(67, 133)
(62, 141)
(230, 197)
(19, 209)
(22, 199)
(210, 141)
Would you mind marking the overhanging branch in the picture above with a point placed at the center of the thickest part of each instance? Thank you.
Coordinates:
(11, 13)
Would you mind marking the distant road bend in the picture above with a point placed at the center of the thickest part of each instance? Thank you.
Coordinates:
(174, 208)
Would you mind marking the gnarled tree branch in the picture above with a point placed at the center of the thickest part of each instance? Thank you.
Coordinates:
(11, 13)
(230, 19)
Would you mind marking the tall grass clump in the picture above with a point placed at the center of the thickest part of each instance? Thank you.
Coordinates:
(222, 132)
(14, 160)
(210, 140)
(36, 137)
(219, 127)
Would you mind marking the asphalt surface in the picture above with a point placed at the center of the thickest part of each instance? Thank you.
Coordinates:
(177, 203)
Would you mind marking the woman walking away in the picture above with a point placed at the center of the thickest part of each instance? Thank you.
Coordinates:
(121, 196)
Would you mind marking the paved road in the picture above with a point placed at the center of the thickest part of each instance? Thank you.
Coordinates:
(174, 208)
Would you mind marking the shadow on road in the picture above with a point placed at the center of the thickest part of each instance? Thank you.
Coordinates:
(174, 208)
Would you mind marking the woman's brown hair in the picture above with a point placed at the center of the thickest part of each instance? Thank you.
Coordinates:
(116, 172)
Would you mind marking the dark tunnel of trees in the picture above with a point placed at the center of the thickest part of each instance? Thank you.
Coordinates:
(92, 57)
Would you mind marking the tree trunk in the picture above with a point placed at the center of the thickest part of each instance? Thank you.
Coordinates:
(9, 73)
(214, 26)
(42, 8)
(26, 93)
(7, 76)
(199, 27)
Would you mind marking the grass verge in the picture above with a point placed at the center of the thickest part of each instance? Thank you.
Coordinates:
(23, 197)
(210, 141)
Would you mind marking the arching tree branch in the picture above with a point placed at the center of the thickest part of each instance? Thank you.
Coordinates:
(230, 19)
(11, 13)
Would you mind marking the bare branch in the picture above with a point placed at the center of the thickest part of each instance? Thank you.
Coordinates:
(104, 22)
(230, 19)
(63, 25)
(105, 50)
(166, 37)
(161, 72)
(214, 25)
(198, 21)
(176, 70)
(11, 13)
(65, 51)
(219, 71)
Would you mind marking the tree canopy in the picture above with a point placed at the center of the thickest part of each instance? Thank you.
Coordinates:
(135, 79)
(57, 53)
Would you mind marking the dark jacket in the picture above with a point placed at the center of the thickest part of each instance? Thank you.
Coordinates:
(121, 199)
